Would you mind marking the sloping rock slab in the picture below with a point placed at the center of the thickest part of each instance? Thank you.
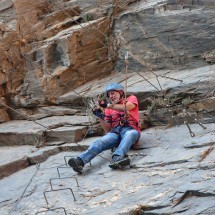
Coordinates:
(67, 134)
(197, 83)
(16, 158)
(168, 179)
(44, 153)
(23, 132)
(13, 159)
(12, 167)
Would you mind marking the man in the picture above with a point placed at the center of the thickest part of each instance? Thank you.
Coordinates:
(120, 121)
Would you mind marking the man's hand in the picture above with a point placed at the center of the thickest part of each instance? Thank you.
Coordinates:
(103, 103)
(98, 113)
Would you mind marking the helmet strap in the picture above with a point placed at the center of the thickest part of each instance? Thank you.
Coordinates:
(122, 94)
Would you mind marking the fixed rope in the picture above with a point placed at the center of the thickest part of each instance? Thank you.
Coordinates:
(59, 80)
(28, 118)
(78, 93)
(23, 193)
(126, 53)
(47, 128)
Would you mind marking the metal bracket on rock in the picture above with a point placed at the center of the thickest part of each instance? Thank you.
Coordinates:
(49, 191)
(54, 209)
(186, 115)
(51, 179)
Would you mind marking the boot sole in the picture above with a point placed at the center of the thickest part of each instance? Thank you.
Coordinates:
(120, 164)
(75, 166)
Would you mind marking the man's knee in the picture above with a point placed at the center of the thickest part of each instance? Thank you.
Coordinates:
(133, 133)
(95, 145)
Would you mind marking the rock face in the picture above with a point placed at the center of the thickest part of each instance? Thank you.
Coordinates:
(163, 95)
(23, 132)
(49, 48)
(167, 34)
(58, 55)
(52, 47)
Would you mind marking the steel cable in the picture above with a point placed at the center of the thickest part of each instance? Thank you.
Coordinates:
(64, 138)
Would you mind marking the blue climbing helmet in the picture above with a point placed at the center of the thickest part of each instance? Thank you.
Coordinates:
(114, 86)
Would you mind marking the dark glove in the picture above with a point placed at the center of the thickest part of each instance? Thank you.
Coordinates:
(98, 113)
(103, 103)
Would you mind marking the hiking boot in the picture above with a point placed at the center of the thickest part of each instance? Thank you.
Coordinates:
(119, 162)
(77, 164)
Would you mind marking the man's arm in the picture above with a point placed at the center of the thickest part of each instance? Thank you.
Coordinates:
(99, 113)
(120, 107)
(106, 126)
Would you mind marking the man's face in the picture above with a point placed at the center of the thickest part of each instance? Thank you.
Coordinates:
(114, 96)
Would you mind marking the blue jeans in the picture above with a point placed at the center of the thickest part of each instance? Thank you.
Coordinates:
(121, 137)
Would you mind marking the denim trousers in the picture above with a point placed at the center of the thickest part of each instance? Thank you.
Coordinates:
(121, 138)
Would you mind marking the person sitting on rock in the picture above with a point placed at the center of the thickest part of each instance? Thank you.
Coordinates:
(120, 121)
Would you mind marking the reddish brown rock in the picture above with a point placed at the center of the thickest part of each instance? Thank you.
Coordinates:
(4, 117)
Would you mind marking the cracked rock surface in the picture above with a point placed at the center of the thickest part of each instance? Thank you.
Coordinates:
(173, 173)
